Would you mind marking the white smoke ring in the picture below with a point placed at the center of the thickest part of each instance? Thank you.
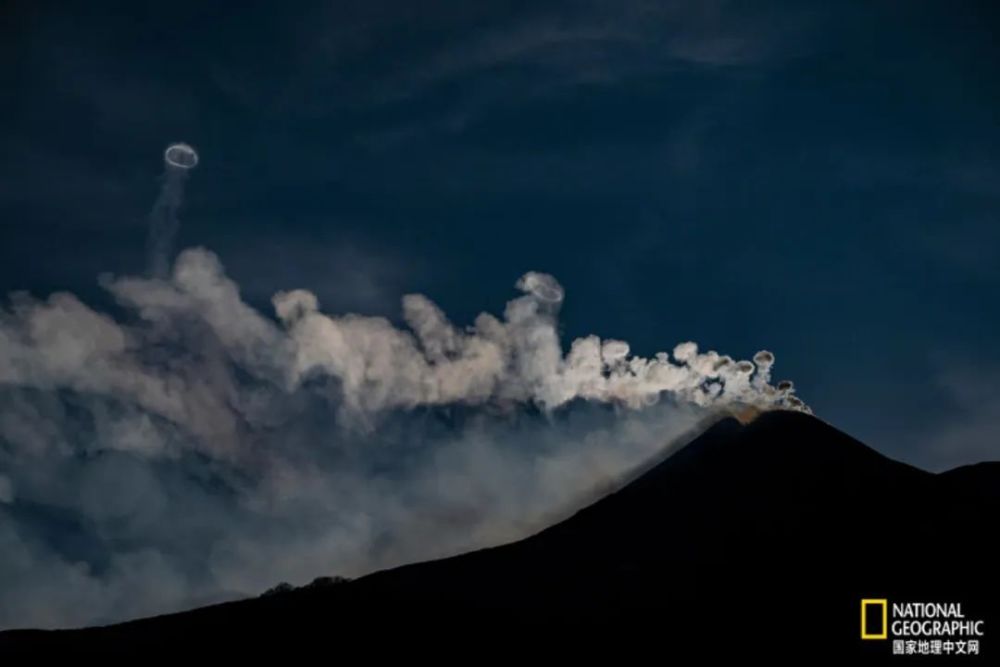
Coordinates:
(181, 155)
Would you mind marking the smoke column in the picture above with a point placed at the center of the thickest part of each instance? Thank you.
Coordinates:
(178, 160)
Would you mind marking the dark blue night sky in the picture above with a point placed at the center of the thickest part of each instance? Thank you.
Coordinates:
(817, 179)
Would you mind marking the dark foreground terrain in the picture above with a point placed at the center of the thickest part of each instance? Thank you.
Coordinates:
(753, 541)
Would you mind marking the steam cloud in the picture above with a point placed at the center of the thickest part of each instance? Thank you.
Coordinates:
(192, 449)
(198, 450)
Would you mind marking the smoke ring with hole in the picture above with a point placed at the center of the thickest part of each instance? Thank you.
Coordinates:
(181, 155)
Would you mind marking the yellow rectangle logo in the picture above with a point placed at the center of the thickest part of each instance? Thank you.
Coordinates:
(884, 633)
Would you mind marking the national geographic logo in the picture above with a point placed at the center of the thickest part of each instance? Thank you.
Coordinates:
(921, 628)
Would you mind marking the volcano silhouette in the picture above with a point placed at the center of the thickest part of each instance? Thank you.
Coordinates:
(755, 539)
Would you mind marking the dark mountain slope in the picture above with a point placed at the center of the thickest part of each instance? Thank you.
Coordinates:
(769, 533)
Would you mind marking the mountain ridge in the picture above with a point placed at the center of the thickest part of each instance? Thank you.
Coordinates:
(780, 523)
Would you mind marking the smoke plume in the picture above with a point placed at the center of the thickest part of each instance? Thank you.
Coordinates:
(178, 160)
(193, 449)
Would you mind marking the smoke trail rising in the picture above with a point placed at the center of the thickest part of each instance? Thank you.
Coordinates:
(178, 160)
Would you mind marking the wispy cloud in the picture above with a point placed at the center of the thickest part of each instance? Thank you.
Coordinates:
(348, 58)
(967, 428)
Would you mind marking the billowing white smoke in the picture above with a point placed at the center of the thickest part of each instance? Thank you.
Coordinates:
(516, 359)
(195, 449)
